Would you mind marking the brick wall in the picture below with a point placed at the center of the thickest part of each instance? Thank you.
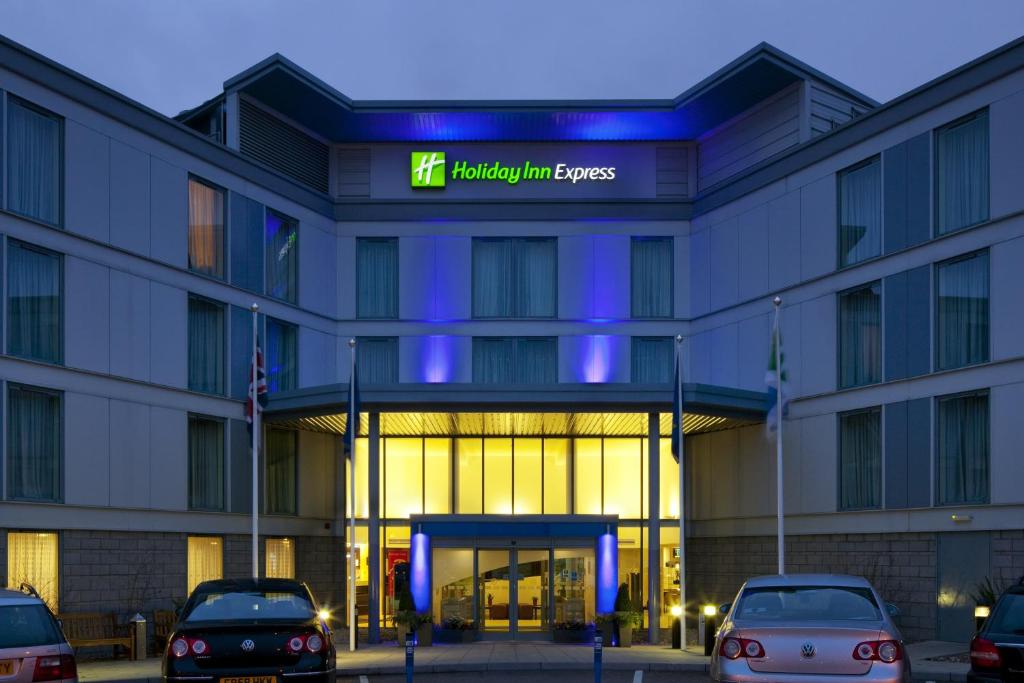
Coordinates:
(320, 562)
(1007, 557)
(901, 566)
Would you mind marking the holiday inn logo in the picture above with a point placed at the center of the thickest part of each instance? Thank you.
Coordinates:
(427, 169)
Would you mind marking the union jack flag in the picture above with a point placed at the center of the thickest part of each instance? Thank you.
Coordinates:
(261, 387)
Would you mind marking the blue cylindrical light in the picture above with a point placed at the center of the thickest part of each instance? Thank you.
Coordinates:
(607, 572)
(419, 571)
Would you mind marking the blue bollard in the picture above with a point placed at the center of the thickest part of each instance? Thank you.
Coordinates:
(410, 647)
(598, 642)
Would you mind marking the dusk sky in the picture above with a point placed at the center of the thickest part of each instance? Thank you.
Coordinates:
(173, 55)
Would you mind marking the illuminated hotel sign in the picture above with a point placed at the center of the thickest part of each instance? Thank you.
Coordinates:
(432, 169)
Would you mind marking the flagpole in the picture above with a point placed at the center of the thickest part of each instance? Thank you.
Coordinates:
(352, 625)
(682, 500)
(778, 437)
(254, 387)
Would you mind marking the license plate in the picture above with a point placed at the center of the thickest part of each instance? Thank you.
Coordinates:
(249, 679)
(6, 667)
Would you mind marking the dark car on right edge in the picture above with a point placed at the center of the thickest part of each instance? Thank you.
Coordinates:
(997, 651)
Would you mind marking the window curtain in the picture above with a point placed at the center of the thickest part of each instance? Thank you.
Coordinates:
(651, 274)
(860, 449)
(536, 361)
(653, 360)
(34, 309)
(860, 337)
(377, 275)
(536, 269)
(205, 229)
(963, 450)
(962, 180)
(515, 278)
(205, 464)
(33, 445)
(860, 213)
(32, 559)
(377, 359)
(205, 560)
(282, 462)
(282, 240)
(282, 356)
(493, 359)
(963, 312)
(34, 141)
(280, 558)
(493, 266)
(205, 346)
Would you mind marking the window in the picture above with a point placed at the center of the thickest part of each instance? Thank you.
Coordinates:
(497, 476)
(32, 558)
(860, 336)
(556, 477)
(282, 244)
(437, 470)
(205, 463)
(963, 449)
(961, 173)
(962, 316)
(35, 308)
(34, 444)
(377, 360)
(653, 360)
(528, 475)
(282, 465)
(651, 277)
(205, 228)
(469, 476)
(280, 558)
(860, 459)
(206, 344)
(860, 212)
(35, 143)
(205, 560)
(623, 472)
(403, 477)
(588, 478)
(282, 355)
(515, 360)
(515, 277)
(377, 277)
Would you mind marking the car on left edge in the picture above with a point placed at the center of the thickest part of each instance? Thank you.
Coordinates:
(250, 631)
(33, 648)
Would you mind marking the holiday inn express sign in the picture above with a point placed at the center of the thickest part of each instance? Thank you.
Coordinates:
(430, 169)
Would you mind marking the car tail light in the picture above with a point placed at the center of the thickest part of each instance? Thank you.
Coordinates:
(887, 651)
(55, 668)
(734, 648)
(179, 648)
(314, 643)
(984, 654)
(183, 645)
(296, 643)
(198, 646)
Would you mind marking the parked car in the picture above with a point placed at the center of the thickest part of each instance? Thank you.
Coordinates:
(250, 631)
(803, 627)
(997, 651)
(32, 645)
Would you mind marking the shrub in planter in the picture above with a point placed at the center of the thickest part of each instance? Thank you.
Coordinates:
(626, 618)
(573, 631)
(455, 629)
(408, 620)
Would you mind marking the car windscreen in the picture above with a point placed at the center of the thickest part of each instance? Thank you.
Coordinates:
(26, 626)
(1008, 617)
(808, 603)
(249, 605)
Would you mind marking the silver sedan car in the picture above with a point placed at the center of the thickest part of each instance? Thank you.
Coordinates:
(809, 627)
(33, 648)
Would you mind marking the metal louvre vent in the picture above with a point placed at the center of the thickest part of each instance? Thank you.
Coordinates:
(266, 138)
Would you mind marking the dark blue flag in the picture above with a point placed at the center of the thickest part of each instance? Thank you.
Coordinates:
(677, 412)
(352, 425)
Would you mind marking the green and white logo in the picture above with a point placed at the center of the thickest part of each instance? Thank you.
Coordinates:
(427, 169)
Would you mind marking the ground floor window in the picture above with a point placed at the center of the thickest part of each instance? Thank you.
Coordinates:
(280, 558)
(205, 560)
(32, 559)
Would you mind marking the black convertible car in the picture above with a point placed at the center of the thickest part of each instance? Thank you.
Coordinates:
(250, 631)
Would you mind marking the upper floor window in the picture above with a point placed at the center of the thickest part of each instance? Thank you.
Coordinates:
(651, 277)
(206, 345)
(282, 258)
(961, 173)
(35, 161)
(860, 459)
(282, 467)
(860, 212)
(962, 430)
(282, 355)
(377, 277)
(860, 336)
(377, 358)
(34, 444)
(205, 228)
(962, 317)
(515, 360)
(35, 310)
(205, 463)
(652, 360)
(515, 277)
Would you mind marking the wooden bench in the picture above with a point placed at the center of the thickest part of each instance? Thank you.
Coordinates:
(96, 629)
(163, 624)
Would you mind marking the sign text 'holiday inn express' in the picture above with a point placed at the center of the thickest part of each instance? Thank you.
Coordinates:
(432, 169)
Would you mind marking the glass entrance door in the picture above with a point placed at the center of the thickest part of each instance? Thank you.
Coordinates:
(494, 588)
(533, 582)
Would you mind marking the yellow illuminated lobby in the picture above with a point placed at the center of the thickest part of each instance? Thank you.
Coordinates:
(517, 519)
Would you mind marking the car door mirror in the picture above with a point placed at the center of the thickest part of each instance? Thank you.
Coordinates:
(892, 609)
(725, 607)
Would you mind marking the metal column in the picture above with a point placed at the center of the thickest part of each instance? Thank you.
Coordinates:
(373, 530)
(653, 527)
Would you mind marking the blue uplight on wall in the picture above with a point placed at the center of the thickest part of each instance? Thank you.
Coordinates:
(607, 572)
(419, 572)
(436, 359)
(596, 357)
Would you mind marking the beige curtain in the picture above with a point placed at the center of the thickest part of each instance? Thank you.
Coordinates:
(32, 558)
(280, 558)
(205, 229)
(205, 560)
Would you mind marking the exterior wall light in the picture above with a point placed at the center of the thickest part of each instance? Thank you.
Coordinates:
(677, 611)
(960, 519)
(981, 613)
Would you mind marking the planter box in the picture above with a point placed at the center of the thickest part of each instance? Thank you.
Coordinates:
(448, 635)
(623, 636)
(425, 635)
(585, 635)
